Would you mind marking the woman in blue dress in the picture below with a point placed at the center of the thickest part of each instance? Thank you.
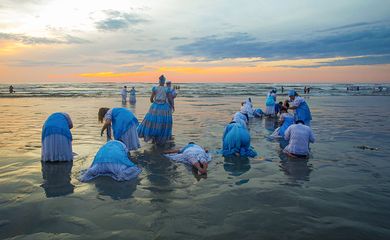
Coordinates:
(124, 125)
(157, 124)
(300, 107)
(237, 141)
(112, 160)
(132, 98)
(286, 119)
(270, 103)
(57, 138)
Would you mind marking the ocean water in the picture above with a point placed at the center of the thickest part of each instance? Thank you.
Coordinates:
(189, 89)
(341, 192)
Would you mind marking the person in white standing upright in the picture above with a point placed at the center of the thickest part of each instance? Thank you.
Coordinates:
(124, 94)
(299, 136)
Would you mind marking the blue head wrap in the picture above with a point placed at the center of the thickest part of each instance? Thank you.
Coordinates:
(291, 93)
(162, 79)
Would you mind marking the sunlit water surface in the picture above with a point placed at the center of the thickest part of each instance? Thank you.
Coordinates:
(341, 192)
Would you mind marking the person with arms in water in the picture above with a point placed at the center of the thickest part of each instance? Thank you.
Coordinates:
(299, 136)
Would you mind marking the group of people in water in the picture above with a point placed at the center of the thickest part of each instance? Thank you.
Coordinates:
(113, 158)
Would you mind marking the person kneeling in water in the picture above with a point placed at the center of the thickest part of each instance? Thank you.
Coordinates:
(299, 136)
(192, 154)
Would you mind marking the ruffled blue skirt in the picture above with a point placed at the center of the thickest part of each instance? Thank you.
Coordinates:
(157, 124)
(112, 160)
(237, 140)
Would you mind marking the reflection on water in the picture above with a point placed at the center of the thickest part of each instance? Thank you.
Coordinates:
(297, 169)
(169, 203)
(56, 178)
(236, 166)
(269, 123)
(160, 171)
(107, 186)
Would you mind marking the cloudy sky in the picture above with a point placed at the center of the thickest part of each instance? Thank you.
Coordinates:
(195, 41)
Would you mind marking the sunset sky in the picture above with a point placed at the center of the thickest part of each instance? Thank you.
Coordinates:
(194, 41)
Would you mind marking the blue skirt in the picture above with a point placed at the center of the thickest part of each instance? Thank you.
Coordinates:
(237, 140)
(157, 124)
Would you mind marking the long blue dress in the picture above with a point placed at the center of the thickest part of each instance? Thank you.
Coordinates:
(124, 126)
(57, 138)
(236, 139)
(157, 124)
(288, 120)
(112, 160)
(302, 112)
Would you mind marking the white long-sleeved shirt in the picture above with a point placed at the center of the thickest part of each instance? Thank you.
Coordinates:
(299, 136)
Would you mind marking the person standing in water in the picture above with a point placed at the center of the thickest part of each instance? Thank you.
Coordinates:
(132, 98)
(11, 89)
(124, 94)
(300, 107)
(157, 124)
(270, 103)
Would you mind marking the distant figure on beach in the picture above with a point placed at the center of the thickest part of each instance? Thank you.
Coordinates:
(172, 90)
(308, 90)
(157, 124)
(132, 98)
(124, 125)
(305, 90)
(286, 119)
(300, 107)
(112, 160)
(191, 154)
(282, 89)
(270, 103)
(11, 89)
(124, 94)
(299, 137)
(236, 141)
(57, 138)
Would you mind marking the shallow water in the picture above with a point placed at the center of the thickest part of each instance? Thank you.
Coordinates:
(341, 192)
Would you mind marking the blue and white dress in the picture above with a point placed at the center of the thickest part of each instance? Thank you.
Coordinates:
(241, 118)
(112, 160)
(157, 124)
(124, 125)
(132, 98)
(270, 104)
(190, 154)
(288, 120)
(57, 138)
(236, 139)
(302, 112)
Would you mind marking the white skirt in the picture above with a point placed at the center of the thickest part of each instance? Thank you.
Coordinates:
(56, 147)
(270, 110)
(130, 138)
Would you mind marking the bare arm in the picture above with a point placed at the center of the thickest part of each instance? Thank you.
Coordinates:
(172, 151)
(152, 96)
(105, 125)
